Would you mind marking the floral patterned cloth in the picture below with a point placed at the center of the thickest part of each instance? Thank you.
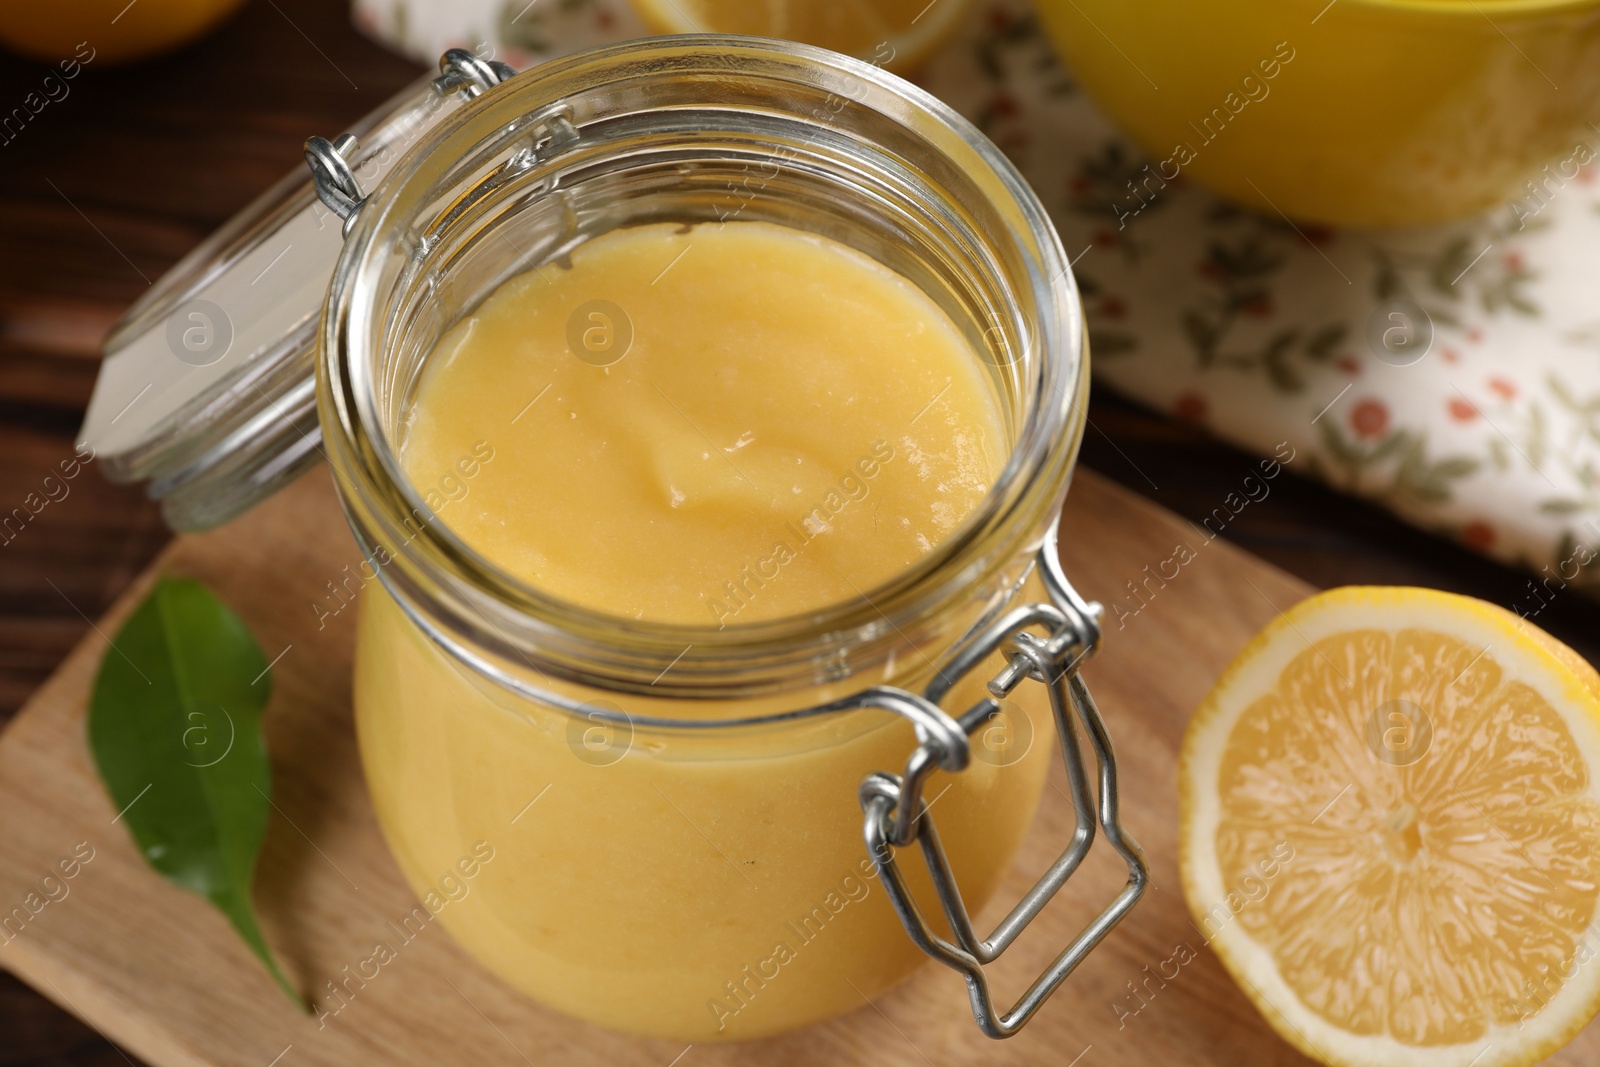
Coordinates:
(1452, 374)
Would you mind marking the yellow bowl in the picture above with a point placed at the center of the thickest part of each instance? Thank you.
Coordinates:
(1355, 112)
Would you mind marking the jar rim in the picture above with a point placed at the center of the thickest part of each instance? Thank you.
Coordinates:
(506, 622)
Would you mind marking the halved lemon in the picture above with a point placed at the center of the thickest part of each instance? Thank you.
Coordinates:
(1391, 830)
(106, 32)
(895, 34)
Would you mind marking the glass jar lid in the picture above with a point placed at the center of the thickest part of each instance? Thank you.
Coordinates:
(207, 389)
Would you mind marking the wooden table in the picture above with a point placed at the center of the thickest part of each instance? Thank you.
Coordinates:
(106, 188)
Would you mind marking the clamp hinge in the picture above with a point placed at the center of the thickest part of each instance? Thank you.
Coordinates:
(461, 72)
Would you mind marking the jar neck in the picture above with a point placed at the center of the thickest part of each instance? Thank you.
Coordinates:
(690, 130)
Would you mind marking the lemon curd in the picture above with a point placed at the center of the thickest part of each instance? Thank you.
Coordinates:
(706, 425)
(719, 425)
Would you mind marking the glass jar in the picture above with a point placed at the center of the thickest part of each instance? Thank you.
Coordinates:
(689, 831)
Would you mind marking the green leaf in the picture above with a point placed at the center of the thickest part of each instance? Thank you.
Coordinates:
(175, 729)
(1275, 358)
(1337, 447)
(1449, 267)
(1391, 444)
(1409, 476)
(1455, 467)
(1520, 302)
(1536, 435)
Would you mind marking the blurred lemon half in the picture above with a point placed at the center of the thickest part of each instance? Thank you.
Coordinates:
(1391, 830)
(896, 34)
(111, 31)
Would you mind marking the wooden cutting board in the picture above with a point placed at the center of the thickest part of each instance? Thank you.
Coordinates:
(160, 972)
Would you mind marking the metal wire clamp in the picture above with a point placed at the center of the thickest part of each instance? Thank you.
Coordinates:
(896, 815)
(460, 71)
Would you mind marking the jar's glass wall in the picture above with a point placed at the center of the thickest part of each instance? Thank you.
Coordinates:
(652, 132)
(697, 880)
(698, 885)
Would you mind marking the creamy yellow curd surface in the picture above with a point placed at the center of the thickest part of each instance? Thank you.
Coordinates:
(708, 425)
(786, 424)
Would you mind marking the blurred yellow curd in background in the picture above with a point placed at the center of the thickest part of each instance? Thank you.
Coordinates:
(707, 425)
(1370, 113)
